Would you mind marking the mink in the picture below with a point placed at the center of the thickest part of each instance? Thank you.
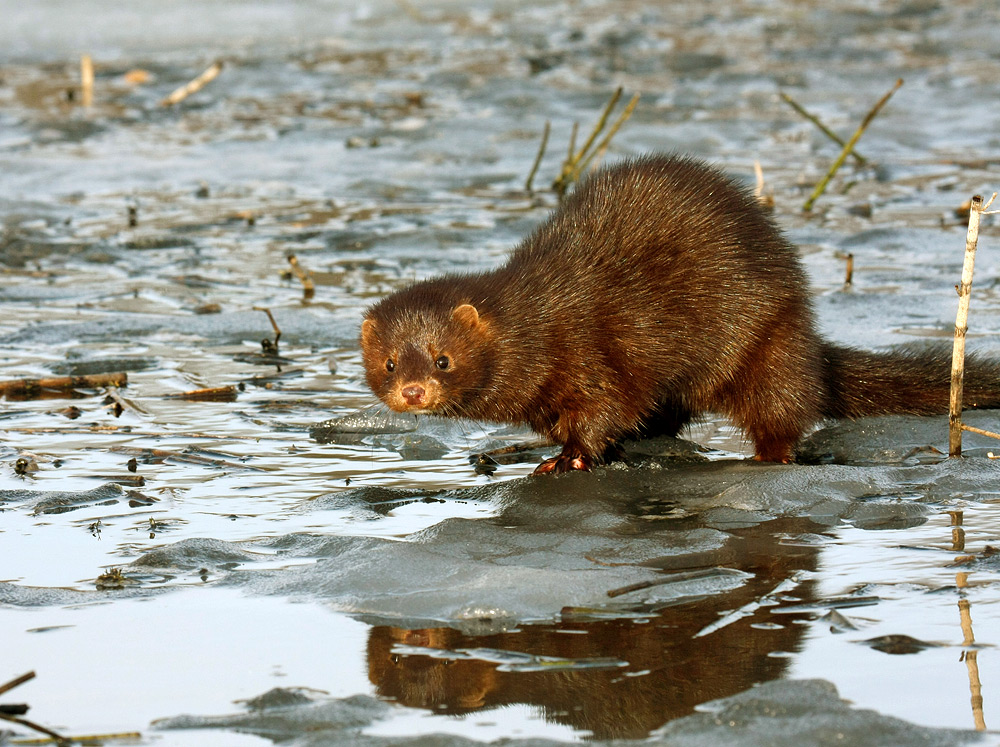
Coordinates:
(657, 291)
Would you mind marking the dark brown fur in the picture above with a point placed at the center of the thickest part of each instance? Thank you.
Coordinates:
(657, 291)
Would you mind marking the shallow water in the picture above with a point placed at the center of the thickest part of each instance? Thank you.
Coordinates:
(399, 590)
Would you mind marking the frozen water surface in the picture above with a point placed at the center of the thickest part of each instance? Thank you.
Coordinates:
(294, 564)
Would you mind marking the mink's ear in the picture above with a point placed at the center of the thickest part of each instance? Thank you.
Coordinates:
(369, 333)
(466, 314)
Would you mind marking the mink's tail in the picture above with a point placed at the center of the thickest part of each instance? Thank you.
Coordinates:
(903, 382)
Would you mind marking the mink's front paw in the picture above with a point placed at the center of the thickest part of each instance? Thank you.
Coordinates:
(564, 463)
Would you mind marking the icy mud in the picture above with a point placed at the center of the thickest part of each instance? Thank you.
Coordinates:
(287, 562)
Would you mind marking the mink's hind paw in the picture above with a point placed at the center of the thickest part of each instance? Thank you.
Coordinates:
(564, 463)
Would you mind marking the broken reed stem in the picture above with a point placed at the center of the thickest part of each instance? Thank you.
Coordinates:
(980, 431)
(758, 174)
(59, 738)
(538, 158)
(821, 187)
(86, 81)
(127, 430)
(31, 388)
(308, 287)
(274, 326)
(127, 736)
(125, 404)
(7, 686)
(214, 394)
(848, 258)
(764, 196)
(961, 328)
(822, 127)
(17, 681)
(194, 85)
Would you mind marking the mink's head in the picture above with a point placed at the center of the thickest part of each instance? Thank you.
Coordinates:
(425, 358)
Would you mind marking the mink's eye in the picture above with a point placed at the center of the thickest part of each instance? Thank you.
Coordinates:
(443, 363)
(390, 365)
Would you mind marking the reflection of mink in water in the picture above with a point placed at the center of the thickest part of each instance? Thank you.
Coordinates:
(674, 663)
(657, 291)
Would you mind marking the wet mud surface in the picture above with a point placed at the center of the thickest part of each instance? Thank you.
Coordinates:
(283, 561)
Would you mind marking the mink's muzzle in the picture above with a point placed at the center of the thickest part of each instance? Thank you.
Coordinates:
(413, 394)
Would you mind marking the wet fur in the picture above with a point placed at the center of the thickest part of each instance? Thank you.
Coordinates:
(657, 291)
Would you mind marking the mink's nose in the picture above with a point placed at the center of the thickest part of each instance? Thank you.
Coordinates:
(413, 394)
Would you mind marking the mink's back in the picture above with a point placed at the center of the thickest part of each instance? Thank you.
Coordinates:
(661, 267)
(653, 209)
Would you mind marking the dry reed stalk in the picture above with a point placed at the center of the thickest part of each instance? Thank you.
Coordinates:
(602, 147)
(577, 160)
(86, 81)
(214, 394)
(763, 195)
(980, 431)
(194, 85)
(822, 127)
(274, 326)
(961, 328)
(308, 287)
(849, 146)
(29, 388)
(538, 158)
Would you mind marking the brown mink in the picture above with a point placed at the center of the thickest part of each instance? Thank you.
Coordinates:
(657, 291)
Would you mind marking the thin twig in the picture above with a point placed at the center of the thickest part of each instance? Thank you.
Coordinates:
(821, 187)
(961, 328)
(538, 158)
(194, 85)
(822, 127)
